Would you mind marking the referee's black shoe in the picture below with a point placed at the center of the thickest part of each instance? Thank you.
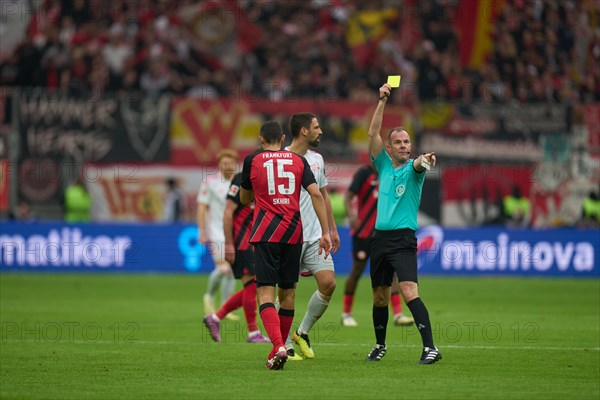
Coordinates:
(430, 355)
(377, 353)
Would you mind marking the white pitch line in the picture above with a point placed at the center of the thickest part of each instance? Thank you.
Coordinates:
(166, 342)
(468, 346)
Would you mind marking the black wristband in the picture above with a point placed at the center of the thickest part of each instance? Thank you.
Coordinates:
(384, 96)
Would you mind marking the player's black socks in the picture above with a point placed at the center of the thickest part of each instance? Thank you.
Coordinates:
(380, 320)
(421, 316)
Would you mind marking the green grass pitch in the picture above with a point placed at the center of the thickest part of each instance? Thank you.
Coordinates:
(140, 336)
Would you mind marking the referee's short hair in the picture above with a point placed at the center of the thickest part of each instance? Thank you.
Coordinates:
(399, 129)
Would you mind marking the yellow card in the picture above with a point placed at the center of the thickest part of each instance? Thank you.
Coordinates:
(394, 80)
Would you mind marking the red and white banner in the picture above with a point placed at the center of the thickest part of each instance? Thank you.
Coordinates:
(130, 192)
(200, 128)
(472, 194)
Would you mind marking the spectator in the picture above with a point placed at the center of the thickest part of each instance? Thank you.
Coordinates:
(516, 208)
(174, 206)
(22, 213)
(77, 203)
(211, 208)
(337, 206)
(157, 79)
(590, 216)
(544, 53)
(115, 53)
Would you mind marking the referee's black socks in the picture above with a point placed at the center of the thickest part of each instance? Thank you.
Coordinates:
(421, 316)
(380, 321)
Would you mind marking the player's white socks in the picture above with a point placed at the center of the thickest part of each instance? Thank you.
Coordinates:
(214, 279)
(227, 287)
(317, 305)
(288, 343)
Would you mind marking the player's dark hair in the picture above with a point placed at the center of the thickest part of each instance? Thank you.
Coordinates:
(299, 121)
(399, 129)
(271, 132)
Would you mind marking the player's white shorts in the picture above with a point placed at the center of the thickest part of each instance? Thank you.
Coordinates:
(310, 260)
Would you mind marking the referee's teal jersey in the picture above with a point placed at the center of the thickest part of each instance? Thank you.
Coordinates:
(399, 194)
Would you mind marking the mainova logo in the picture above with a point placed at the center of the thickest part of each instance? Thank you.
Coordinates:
(503, 254)
(66, 247)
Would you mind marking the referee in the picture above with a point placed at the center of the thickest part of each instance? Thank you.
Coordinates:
(394, 245)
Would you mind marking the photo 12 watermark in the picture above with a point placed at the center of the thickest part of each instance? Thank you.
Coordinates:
(68, 332)
(237, 332)
(478, 332)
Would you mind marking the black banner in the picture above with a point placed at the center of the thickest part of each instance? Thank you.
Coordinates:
(105, 129)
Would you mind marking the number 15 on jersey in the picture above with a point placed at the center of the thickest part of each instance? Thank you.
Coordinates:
(279, 174)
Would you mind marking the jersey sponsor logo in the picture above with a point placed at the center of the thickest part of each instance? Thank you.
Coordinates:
(315, 168)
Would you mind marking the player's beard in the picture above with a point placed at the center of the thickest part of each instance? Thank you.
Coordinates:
(315, 143)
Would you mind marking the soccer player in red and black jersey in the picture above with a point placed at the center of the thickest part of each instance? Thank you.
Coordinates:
(274, 178)
(239, 252)
(364, 187)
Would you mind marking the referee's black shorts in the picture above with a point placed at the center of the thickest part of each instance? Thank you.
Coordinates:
(361, 248)
(393, 251)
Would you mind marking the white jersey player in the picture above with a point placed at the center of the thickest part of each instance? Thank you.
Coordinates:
(212, 195)
(211, 208)
(307, 133)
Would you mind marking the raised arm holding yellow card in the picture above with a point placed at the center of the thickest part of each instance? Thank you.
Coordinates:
(394, 80)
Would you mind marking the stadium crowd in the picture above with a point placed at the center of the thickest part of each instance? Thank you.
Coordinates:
(542, 50)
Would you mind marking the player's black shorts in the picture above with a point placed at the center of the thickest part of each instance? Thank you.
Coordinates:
(277, 264)
(244, 263)
(361, 245)
(393, 251)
